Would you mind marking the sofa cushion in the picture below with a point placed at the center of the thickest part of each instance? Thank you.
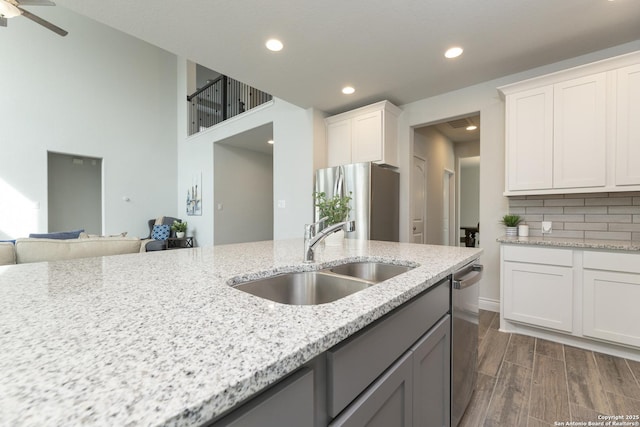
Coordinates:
(36, 250)
(60, 235)
(161, 232)
(7, 253)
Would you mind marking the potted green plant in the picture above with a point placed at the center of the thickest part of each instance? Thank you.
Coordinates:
(511, 223)
(336, 209)
(180, 228)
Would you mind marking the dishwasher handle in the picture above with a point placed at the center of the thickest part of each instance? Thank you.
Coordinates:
(471, 277)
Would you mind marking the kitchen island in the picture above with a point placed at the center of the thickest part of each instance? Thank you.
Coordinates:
(161, 339)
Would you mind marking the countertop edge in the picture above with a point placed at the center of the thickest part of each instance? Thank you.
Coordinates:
(614, 245)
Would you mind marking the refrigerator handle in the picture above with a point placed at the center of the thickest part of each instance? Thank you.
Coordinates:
(339, 188)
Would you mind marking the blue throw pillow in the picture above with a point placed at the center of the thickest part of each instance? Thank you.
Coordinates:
(60, 235)
(160, 232)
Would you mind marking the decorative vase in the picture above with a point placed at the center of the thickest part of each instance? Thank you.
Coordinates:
(335, 239)
(512, 231)
(523, 230)
(180, 234)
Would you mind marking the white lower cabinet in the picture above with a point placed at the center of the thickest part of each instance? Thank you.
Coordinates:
(538, 287)
(527, 299)
(582, 297)
(610, 301)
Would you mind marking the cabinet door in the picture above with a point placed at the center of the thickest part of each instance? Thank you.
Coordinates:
(628, 126)
(610, 306)
(432, 377)
(288, 403)
(339, 143)
(579, 132)
(529, 144)
(387, 402)
(367, 137)
(540, 295)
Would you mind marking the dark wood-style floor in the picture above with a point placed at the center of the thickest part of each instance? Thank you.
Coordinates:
(529, 382)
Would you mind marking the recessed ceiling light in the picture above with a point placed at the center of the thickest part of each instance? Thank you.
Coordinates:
(453, 52)
(472, 127)
(348, 90)
(270, 141)
(274, 45)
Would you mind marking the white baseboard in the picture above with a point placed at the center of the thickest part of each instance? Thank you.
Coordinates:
(489, 304)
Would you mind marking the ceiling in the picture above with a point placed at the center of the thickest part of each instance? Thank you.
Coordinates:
(253, 139)
(456, 129)
(385, 49)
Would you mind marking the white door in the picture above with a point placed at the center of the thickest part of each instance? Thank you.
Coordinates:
(419, 198)
(448, 197)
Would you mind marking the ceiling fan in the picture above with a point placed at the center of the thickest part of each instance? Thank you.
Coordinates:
(12, 8)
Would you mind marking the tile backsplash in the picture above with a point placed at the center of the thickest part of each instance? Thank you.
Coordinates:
(614, 216)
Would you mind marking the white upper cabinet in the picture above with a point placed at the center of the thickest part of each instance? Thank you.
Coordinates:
(628, 126)
(529, 128)
(579, 132)
(574, 131)
(367, 134)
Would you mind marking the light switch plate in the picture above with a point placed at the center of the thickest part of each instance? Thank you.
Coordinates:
(547, 227)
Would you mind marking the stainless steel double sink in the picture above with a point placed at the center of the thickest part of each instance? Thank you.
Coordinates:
(322, 286)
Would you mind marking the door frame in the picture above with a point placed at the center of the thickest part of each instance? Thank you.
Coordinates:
(424, 206)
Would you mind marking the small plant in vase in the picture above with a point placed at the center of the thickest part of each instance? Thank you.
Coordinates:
(336, 209)
(511, 223)
(180, 228)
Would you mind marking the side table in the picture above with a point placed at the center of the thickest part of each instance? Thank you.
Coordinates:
(179, 243)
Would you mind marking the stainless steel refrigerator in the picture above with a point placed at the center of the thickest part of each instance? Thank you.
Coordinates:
(374, 198)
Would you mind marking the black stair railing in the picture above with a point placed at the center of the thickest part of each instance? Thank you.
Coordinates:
(221, 99)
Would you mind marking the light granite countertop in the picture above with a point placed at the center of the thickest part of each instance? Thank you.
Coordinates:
(612, 245)
(160, 339)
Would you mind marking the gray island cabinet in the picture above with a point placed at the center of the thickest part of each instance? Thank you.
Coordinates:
(126, 340)
(395, 372)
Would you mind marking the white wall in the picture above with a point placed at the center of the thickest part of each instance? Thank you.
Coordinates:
(437, 150)
(483, 98)
(96, 93)
(296, 139)
(243, 189)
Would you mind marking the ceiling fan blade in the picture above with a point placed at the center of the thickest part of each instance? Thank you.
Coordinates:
(36, 3)
(43, 22)
(3, 22)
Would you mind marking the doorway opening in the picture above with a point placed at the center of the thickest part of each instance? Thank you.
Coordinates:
(448, 189)
(243, 187)
(74, 192)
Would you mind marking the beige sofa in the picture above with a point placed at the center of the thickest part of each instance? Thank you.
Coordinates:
(36, 250)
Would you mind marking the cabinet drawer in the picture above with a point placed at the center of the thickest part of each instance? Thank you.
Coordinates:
(529, 254)
(627, 262)
(357, 362)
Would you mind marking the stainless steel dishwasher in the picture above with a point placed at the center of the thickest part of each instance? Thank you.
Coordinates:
(464, 341)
